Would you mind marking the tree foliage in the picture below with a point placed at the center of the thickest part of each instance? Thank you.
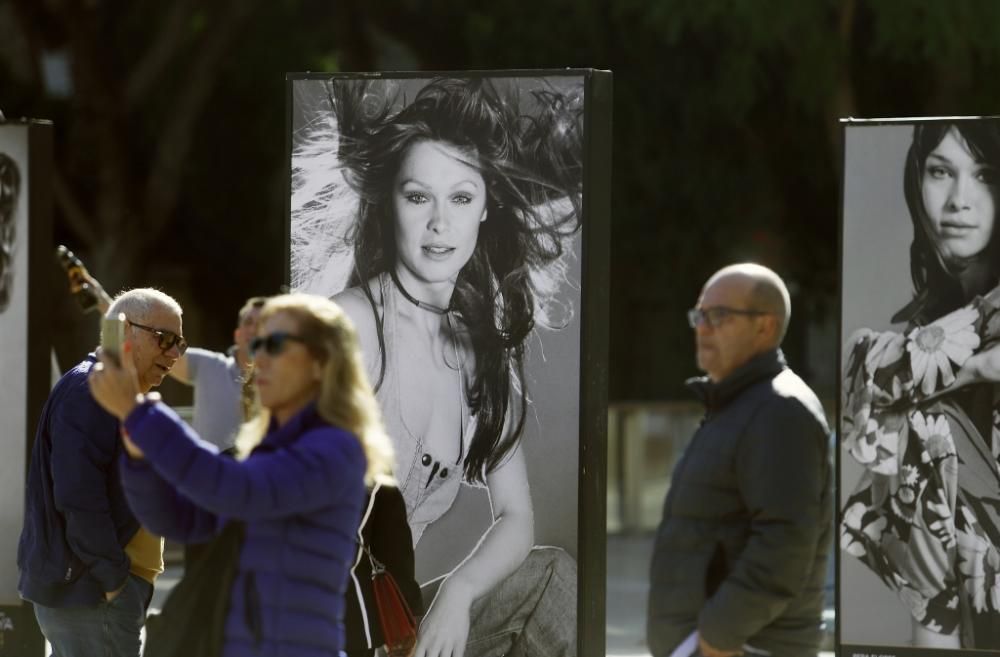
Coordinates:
(726, 143)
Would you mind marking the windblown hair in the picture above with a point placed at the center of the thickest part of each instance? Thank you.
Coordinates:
(937, 290)
(345, 397)
(10, 190)
(531, 162)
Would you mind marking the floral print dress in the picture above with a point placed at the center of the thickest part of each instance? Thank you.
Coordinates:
(925, 516)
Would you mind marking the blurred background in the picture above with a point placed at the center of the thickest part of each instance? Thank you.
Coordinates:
(171, 169)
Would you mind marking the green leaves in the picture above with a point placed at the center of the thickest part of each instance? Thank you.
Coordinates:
(726, 143)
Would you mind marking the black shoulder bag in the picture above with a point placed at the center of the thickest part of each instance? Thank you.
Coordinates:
(199, 603)
(388, 588)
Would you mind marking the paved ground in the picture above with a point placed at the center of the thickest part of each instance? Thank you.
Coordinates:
(627, 591)
(164, 583)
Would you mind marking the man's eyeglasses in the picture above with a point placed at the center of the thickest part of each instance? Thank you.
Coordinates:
(274, 343)
(717, 315)
(165, 339)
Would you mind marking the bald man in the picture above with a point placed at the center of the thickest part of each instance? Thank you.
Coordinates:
(740, 555)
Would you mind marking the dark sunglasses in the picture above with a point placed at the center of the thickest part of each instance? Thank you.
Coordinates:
(717, 315)
(165, 339)
(274, 343)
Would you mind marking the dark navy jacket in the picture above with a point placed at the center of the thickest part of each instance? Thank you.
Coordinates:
(300, 493)
(76, 519)
(741, 551)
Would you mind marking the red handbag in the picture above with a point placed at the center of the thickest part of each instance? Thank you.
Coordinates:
(399, 627)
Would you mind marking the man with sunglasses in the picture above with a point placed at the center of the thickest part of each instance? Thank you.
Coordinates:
(739, 559)
(84, 561)
(217, 378)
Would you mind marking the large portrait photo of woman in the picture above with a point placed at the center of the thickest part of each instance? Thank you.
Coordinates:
(14, 327)
(444, 215)
(920, 420)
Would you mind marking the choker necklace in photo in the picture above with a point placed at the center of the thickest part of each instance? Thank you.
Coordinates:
(437, 310)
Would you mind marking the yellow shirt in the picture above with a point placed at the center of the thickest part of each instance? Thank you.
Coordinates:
(146, 554)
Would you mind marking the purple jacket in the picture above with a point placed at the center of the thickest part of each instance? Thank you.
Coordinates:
(300, 494)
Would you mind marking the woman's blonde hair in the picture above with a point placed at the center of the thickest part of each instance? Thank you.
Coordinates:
(345, 397)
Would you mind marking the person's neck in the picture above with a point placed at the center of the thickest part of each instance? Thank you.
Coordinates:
(425, 303)
(287, 411)
(719, 377)
(143, 387)
(974, 275)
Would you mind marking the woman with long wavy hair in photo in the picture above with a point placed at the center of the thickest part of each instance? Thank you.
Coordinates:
(452, 210)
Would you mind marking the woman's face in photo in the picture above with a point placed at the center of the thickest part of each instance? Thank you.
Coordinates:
(958, 199)
(439, 202)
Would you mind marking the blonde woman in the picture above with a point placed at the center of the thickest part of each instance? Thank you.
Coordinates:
(299, 491)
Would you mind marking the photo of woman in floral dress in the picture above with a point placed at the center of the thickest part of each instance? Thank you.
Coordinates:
(920, 401)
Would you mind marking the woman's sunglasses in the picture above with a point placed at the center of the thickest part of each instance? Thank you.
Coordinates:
(165, 339)
(274, 343)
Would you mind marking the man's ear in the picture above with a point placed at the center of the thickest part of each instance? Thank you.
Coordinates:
(129, 346)
(764, 328)
(129, 336)
(773, 328)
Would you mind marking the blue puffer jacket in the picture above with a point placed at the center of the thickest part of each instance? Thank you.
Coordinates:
(300, 494)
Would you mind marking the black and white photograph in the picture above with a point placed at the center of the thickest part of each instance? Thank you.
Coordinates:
(25, 327)
(13, 349)
(444, 213)
(919, 415)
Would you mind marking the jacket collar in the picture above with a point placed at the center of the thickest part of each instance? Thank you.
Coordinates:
(298, 424)
(717, 395)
